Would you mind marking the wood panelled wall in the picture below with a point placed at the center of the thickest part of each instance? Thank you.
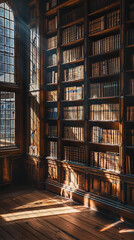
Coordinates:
(94, 187)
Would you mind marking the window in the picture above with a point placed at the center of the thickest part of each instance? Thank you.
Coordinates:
(7, 76)
(6, 44)
(34, 56)
(7, 119)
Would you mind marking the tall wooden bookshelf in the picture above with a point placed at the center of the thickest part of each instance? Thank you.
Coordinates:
(89, 101)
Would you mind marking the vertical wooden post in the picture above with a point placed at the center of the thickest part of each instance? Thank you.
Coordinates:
(122, 97)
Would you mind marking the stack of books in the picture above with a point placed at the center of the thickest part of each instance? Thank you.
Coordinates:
(52, 43)
(74, 93)
(108, 89)
(52, 24)
(108, 136)
(72, 33)
(52, 149)
(74, 73)
(52, 113)
(52, 77)
(106, 44)
(130, 113)
(74, 133)
(102, 112)
(52, 131)
(74, 112)
(108, 160)
(108, 66)
(73, 54)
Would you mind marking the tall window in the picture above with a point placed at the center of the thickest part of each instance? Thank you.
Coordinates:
(7, 75)
(6, 43)
(34, 55)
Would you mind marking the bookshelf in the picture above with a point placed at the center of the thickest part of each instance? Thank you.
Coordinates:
(89, 97)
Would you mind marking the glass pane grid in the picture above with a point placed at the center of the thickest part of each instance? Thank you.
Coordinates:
(6, 44)
(7, 119)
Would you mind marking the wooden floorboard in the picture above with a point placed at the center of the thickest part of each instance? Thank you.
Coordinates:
(41, 215)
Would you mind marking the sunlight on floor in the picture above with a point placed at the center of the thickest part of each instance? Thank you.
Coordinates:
(111, 225)
(39, 213)
(126, 231)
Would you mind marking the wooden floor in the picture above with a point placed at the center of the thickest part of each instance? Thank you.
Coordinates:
(40, 215)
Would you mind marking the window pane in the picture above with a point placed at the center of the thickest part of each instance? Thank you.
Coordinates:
(7, 119)
(6, 43)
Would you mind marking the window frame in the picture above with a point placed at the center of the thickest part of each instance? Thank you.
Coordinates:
(15, 87)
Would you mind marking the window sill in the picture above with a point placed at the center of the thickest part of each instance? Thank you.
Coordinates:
(9, 150)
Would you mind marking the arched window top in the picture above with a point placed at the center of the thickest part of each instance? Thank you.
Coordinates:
(7, 49)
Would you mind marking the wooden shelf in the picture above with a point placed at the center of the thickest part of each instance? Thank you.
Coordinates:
(73, 120)
(106, 76)
(51, 49)
(130, 21)
(80, 20)
(103, 121)
(73, 101)
(72, 140)
(51, 84)
(104, 98)
(73, 42)
(74, 62)
(104, 54)
(102, 10)
(101, 33)
(51, 33)
(130, 46)
(53, 66)
(104, 144)
(65, 4)
(53, 138)
(130, 71)
(73, 81)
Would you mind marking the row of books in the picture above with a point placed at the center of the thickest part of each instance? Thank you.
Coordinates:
(74, 73)
(102, 112)
(52, 149)
(106, 44)
(52, 96)
(50, 4)
(52, 42)
(52, 77)
(131, 86)
(73, 54)
(52, 59)
(131, 35)
(106, 89)
(129, 164)
(52, 24)
(74, 93)
(74, 133)
(72, 15)
(52, 113)
(72, 33)
(52, 131)
(75, 154)
(130, 113)
(108, 66)
(108, 160)
(73, 113)
(109, 20)
(130, 137)
(108, 136)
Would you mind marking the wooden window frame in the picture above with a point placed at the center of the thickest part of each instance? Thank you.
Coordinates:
(15, 87)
